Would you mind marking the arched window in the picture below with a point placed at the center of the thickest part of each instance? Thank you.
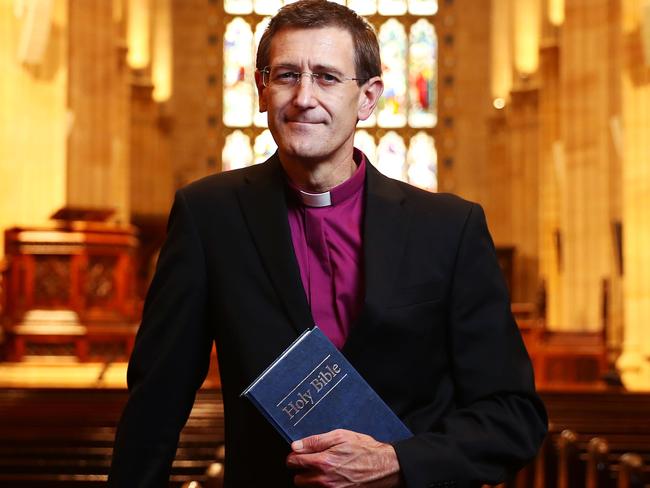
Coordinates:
(398, 138)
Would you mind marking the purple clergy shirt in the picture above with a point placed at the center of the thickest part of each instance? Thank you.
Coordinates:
(326, 230)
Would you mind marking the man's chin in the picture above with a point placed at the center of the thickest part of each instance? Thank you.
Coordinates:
(305, 146)
(307, 152)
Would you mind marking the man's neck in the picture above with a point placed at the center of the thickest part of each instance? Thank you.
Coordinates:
(318, 176)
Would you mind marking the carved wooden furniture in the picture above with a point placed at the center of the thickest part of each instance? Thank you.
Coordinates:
(70, 291)
(570, 359)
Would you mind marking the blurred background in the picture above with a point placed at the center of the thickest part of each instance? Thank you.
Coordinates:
(537, 109)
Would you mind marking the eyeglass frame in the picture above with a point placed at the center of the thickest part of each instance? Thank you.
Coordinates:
(266, 72)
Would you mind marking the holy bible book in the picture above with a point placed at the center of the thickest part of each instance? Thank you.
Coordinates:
(311, 389)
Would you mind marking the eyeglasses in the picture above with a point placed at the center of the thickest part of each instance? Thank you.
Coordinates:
(282, 77)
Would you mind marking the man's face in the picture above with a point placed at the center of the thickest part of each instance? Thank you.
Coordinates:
(310, 123)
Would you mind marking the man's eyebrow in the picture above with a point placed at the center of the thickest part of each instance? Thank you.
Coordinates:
(286, 65)
(319, 67)
(328, 68)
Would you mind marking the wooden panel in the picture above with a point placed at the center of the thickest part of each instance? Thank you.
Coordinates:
(566, 359)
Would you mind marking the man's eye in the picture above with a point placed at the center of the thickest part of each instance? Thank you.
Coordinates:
(285, 76)
(328, 78)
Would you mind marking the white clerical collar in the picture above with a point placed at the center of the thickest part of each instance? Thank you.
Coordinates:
(316, 199)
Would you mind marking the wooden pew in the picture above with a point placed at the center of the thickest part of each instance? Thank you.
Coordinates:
(631, 473)
(619, 419)
(570, 473)
(64, 438)
(598, 468)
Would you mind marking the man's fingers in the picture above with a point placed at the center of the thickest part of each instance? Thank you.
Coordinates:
(310, 461)
(351, 460)
(321, 442)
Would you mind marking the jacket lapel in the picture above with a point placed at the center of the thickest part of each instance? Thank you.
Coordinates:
(264, 205)
(263, 202)
(386, 221)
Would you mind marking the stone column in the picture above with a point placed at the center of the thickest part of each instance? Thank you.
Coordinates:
(151, 176)
(585, 111)
(97, 174)
(551, 178)
(470, 106)
(193, 74)
(634, 363)
(524, 135)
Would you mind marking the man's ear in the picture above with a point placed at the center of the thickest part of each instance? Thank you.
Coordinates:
(261, 91)
(371, 90)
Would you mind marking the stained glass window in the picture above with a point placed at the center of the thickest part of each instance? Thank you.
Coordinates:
(422, 75)
(264, 146)
(363, 7)
(392, 105)
(422, 162)
(267, 7)
(423, 7)
(237, 152)
(391, 156)
(392, 7)
(366, 143)
(238, 74)
(238, 6)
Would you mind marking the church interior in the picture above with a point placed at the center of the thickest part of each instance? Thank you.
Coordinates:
(539, 110)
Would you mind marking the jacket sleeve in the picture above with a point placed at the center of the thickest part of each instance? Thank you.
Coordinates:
(169, 362)
(499, 421)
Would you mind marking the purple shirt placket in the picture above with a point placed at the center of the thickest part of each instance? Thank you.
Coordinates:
(328, 245)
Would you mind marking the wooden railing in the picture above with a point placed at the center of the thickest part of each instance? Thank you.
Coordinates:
(63, 438)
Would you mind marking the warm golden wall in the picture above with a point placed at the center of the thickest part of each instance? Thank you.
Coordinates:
(33, 124)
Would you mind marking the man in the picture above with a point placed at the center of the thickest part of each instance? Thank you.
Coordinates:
(405, 282)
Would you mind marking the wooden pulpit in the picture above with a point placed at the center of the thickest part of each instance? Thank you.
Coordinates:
(70, 289)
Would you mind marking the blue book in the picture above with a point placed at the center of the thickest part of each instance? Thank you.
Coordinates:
(311, 388)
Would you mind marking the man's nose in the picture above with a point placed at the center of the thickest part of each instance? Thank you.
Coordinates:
(304, 95)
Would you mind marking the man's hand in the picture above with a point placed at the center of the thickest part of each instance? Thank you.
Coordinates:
(342, 458)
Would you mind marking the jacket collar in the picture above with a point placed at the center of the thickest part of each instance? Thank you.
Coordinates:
(263, 200)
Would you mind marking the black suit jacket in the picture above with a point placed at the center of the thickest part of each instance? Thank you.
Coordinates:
(435, 338)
